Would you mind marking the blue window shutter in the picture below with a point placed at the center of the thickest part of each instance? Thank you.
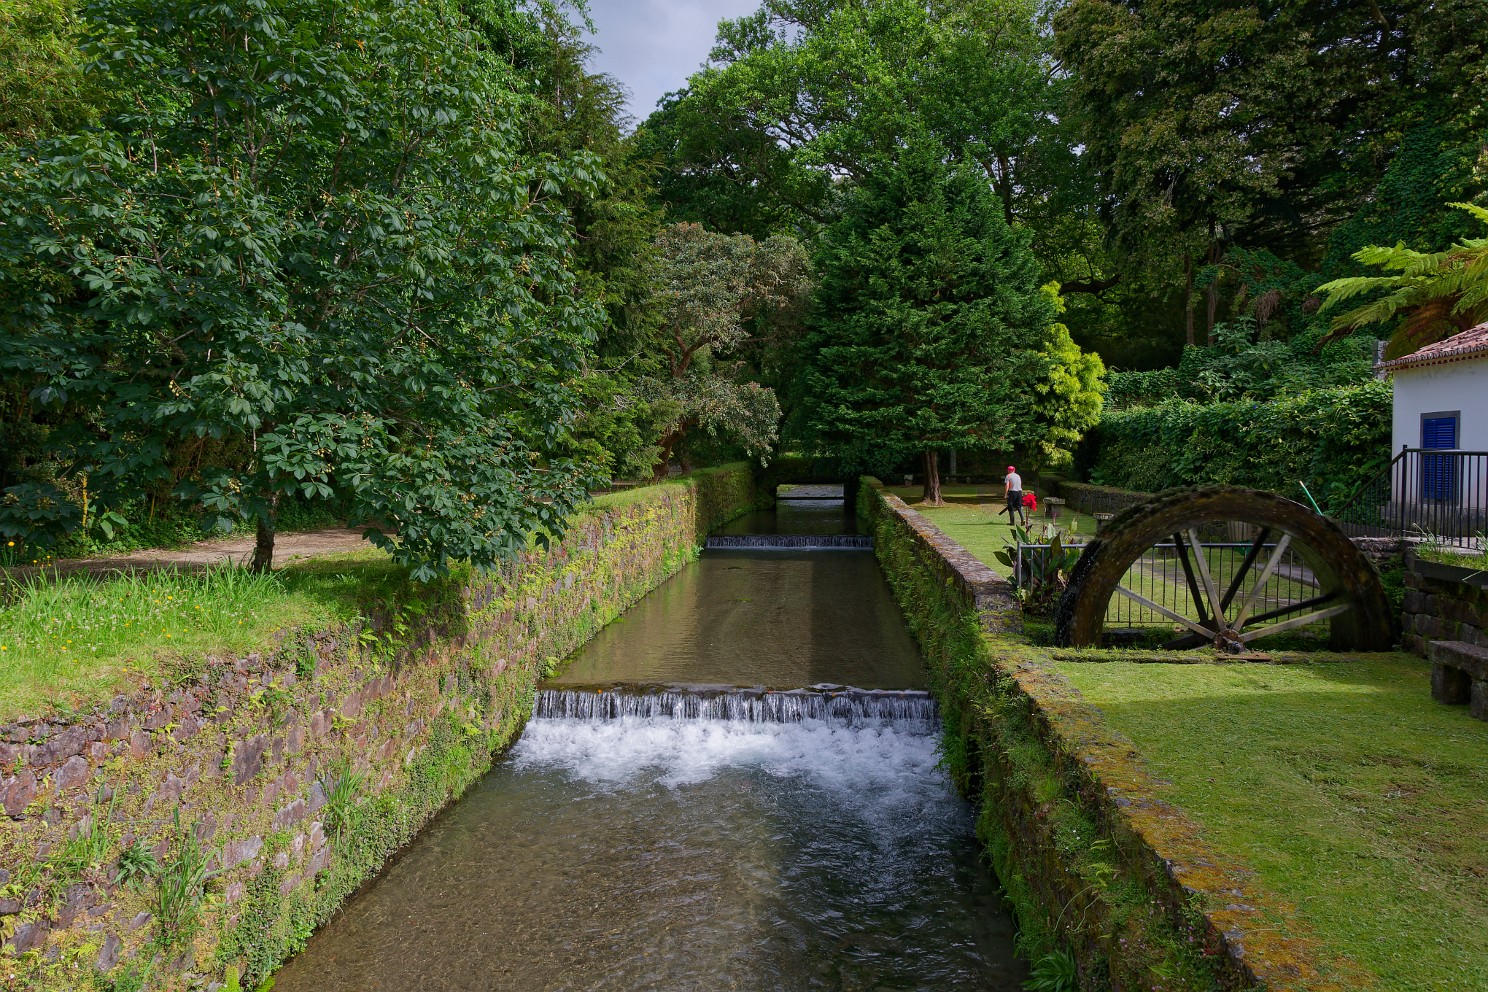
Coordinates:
(1438, 472)
(1439, 432)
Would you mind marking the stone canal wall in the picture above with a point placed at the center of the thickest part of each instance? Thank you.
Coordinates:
(1103, 875)
(194, 835)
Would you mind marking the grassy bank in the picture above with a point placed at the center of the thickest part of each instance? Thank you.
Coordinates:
(1351, 794)
(67, 642)
(971, 519)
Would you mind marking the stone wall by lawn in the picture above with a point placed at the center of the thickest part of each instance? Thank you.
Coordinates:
(1096, 866)
(195, 834)
(1443, 603)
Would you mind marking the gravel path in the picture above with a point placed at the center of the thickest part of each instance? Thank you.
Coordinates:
(288, 546)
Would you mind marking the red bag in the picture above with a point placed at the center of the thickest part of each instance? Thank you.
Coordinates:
(1030, 501)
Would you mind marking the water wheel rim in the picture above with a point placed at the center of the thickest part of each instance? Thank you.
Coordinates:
(1352, 600)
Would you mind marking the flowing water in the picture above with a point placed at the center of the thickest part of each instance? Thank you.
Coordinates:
(682, 835)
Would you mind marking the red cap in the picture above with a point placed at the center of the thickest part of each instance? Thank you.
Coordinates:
(1011, 469)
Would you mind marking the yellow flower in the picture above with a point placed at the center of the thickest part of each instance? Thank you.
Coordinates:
(10, 544)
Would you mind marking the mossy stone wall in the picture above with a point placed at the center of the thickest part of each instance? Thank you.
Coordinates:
(273, 786)
(1100, 872)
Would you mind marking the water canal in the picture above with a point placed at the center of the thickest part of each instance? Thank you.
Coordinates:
(672, 833)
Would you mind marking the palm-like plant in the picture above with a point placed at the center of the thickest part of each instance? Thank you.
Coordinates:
(1437, 294)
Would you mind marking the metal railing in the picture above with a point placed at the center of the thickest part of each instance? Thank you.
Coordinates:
(1437, 495)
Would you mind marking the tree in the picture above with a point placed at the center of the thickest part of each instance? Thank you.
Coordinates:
(930, 330)
(310, 258)
(804, 95)
(43, 90)
(714, 292)
(1432, 295)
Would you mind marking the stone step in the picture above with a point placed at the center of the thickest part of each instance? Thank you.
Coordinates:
(1459, 674)
(1459, 654)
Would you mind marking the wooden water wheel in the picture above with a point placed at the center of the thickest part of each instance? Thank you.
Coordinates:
(1225, 567)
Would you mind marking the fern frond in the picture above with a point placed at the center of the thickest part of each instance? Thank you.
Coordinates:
(1480, 213)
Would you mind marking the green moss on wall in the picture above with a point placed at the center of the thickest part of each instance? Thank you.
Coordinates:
(293, 775)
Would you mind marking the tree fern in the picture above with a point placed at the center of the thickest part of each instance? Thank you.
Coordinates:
(1433, 295)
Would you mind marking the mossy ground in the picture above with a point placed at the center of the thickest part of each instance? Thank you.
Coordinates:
(1348, 790)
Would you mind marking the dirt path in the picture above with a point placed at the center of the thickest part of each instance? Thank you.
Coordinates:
(287, 547)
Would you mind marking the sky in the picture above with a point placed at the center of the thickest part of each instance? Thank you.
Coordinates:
(652, 46)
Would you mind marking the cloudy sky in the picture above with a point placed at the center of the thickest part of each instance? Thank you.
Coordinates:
(652, 46)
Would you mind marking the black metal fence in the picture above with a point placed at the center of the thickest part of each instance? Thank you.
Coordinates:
(1437, 495)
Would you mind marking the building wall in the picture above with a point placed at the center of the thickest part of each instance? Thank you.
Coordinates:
(1437, 388)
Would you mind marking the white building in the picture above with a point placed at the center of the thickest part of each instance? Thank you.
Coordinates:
(1441, 404)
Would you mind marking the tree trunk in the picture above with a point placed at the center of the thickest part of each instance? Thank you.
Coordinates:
(1212, 290)
(931, 495)
(1188, 301)
(263, 547)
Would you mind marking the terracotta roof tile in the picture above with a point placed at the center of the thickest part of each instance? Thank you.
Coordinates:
(1471, 343)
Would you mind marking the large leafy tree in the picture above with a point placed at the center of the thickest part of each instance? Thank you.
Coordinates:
(715, 293)
(1225, 124)
(309, 257)
(931, 330)
(803, 95)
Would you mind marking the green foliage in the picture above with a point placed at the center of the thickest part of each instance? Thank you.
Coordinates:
(343, 791)
(253, 290)
(181, 888)
(1238, 367)
(1432, 294)
(136, 864)
(1041, 573)
(714, 292)
(1054, 971)
(930, 327)
(792, 97)
(1332, 439)
(43, 90)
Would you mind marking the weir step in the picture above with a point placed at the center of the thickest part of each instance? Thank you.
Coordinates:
(908, 710)
(790, 542)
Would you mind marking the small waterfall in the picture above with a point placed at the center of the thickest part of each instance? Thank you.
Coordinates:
(906, 710)
(792, 542)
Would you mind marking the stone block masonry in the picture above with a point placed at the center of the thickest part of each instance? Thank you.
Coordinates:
(202, 828)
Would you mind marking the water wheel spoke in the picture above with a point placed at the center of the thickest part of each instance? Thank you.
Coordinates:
(1164, 611)
(1297, 607)
(1245, 567)
(1256, 591)
(1211, 590)
(1188, 573)
(1294, 622)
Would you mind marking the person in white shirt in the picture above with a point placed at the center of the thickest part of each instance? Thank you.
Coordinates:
(1013, 490)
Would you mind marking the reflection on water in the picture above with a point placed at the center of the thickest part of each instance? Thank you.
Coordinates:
(795, 516)
(773, 618)
(684, 855)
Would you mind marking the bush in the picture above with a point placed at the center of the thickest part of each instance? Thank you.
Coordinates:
(1332, 439)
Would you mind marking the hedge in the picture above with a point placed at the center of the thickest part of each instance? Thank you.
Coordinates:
(1331, 439)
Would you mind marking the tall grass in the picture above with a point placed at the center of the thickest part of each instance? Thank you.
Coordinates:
(67, 639)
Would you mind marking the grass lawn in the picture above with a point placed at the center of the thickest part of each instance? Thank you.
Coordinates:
(1351, 793)
(68, 642)
(970, 518)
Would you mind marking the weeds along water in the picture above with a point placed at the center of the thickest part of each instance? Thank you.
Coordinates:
(70, 638)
